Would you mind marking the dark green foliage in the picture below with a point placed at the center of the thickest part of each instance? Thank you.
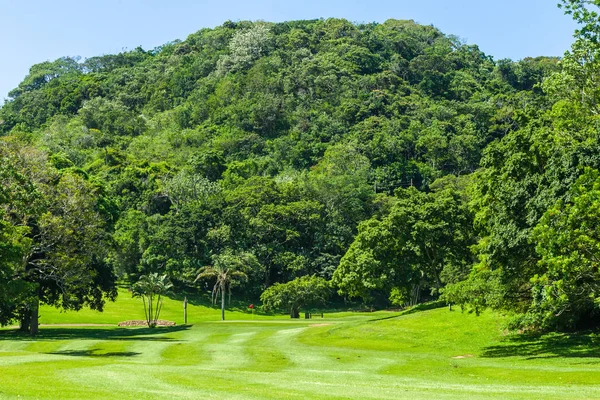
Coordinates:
(568, 291)
(535, 195)
(421, 244)
(323, 148)
(55, 236)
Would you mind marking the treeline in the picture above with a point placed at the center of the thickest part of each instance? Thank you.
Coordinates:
(390, 160)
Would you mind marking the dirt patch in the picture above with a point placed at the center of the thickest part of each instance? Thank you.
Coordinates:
(316, 325)
(160, 322)
(461, 357)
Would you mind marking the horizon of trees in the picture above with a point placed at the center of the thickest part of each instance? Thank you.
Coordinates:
(388, 161)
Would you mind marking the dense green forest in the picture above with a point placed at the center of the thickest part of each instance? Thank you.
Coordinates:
(379, 164)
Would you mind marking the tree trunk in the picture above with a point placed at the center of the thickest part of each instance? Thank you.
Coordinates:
(416, 290)
(185, 310)
(438, 281)
(150, 310)
(35, 317)
(222, 303)
(294, 313)
(25, 321)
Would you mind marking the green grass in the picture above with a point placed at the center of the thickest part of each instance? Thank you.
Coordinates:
(378, 355)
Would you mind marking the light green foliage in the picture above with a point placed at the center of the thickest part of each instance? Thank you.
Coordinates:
(307, 291)
(188, 188)
(481, 290)
(579, 78)
(111, 118)
(245, 47)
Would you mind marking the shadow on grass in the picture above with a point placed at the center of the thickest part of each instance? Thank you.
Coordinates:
(412, 310)
(554, 345)
(123, 334)
(93, 353)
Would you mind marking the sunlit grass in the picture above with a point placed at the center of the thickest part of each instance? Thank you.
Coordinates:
(430, 354)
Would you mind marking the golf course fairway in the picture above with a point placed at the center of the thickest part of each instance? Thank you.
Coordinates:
(434, 354)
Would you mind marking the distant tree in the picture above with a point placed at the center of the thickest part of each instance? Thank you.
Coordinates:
(245, 47)
(151, 288)
(186, 187)
(292, 296)
(41, 74)
(579, 79)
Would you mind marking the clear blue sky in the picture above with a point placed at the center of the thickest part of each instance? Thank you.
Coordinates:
(32, 31)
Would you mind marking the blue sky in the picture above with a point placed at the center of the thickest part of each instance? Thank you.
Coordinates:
(33, 31)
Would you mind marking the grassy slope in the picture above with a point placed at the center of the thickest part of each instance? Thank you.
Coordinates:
(363, 356)
(127, 308)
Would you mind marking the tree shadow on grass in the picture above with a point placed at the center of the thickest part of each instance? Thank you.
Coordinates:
(94, 353)
(553, 345)
(122, 334)
(412, 310)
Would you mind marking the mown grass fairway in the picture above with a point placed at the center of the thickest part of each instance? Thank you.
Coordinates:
(431, 354)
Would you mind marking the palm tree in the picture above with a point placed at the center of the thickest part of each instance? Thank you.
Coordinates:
(149, 287)
(229, 269)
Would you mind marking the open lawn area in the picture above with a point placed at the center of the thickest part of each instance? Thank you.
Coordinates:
(433, 354)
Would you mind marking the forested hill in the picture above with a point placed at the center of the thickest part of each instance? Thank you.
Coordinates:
(417, 104)
(348, 152)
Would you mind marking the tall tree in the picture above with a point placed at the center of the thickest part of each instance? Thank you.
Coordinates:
(228, 269)
(60, 214)
(567, 293)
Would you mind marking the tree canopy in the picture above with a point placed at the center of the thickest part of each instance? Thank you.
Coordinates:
(390, 160)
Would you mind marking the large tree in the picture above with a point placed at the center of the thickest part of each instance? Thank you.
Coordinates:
(422, 243)
(306, 291)
(61, 217)
(567, 291)
(14, 244)
(523, 178)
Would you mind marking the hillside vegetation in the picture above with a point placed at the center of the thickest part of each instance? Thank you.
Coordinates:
(390, 163)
